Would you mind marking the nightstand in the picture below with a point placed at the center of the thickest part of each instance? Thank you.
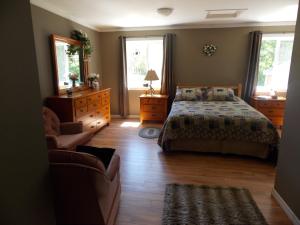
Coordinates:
(153, 107)
(271, 108)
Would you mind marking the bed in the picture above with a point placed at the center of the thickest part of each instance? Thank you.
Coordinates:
(219, 125)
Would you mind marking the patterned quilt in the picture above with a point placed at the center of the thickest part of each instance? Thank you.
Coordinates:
(217, 120)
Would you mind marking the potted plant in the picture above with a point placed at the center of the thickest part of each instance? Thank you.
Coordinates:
(85, 44)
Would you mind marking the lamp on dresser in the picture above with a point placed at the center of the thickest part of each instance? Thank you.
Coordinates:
(151, 75)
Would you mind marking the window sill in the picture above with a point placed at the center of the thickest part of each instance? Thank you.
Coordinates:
(142, 89)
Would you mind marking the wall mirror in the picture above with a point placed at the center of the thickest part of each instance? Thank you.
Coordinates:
(68, 68)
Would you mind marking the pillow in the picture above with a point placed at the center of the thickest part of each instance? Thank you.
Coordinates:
(220, 94)
(188, 94)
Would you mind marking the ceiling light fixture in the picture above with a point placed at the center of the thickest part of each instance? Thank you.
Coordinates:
(165, 11)
(224, 13)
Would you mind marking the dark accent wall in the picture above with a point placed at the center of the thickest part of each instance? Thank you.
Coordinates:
(287, 182)
(46, 23)
(227, 66)
(25, 196)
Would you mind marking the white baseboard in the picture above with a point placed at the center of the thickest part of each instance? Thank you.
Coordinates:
(295, 220)
(128, 117)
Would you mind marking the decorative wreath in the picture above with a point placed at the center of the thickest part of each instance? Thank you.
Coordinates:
(209, 49)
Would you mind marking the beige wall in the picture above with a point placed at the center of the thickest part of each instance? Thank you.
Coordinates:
(25, 196)
(227, 66)
(287, 182)
(46, 23)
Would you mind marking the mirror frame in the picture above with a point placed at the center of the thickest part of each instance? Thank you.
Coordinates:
(83, 64)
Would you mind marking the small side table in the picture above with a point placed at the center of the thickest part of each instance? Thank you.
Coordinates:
(153, 107)
(271, 108)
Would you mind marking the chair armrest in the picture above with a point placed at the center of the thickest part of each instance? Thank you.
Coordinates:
(51, 142)
(113, 167)
(71, 128)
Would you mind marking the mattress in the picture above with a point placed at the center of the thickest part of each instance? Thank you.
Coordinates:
(219, 121)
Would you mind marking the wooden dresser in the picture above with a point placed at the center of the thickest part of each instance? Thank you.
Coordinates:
(91, 107)
(271, 108)
(153, 107)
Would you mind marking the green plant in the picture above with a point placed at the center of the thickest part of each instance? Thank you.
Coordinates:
(85, 42)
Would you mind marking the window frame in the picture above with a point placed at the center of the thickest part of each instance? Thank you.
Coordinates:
(277, 37)
(159, 37)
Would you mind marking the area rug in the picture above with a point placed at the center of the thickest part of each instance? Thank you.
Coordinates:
(149, 132)
(204, 205)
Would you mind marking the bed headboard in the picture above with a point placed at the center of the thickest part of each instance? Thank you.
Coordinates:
(236, 88)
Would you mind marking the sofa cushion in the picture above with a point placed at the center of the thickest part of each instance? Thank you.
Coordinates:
(71, 141)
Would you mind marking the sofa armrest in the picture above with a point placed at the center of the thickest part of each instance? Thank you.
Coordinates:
(71, 128)
(113, 167)
(51, 142)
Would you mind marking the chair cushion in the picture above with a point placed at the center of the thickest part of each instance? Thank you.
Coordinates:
(63, 156)
(51, 122)
(71, 141)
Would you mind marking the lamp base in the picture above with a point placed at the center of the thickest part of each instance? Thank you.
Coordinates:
(151, 91)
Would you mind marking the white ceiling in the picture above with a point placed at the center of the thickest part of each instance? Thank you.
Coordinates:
(109, 15)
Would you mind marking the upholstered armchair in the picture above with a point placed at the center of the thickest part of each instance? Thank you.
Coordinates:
(85, 191)
(63, 135)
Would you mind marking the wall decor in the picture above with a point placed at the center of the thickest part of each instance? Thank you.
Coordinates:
(209, 49)
(86, 45)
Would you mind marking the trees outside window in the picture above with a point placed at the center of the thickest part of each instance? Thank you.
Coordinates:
(274, 62)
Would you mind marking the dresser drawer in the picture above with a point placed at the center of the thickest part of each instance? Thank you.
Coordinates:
(153, 116)
(152, 108)
(105, 100)
(93, 106)
(91, 126)
(80, 102)
(153, 101)
(105, 109)
(277, 104)
(86, 119)
(81, 111)
(92, 99)
(272, 111)
(264, 104)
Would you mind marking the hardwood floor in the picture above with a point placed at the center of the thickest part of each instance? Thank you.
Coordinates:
(145, 170)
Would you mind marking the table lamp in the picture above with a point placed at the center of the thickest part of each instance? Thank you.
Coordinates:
(151, 75)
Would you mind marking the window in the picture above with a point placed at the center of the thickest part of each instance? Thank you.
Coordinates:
(143, 54)
(274, 62)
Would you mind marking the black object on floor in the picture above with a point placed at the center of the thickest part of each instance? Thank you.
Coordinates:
(104, 154)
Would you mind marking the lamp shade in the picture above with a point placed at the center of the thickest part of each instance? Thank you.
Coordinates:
(151, 75)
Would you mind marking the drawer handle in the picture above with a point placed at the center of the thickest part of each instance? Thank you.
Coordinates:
(98, 122)
(91, 115)
(92, 126)
(270, 111)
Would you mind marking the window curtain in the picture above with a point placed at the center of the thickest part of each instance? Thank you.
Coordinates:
(255, 38)
(123, 89)
(167, 78)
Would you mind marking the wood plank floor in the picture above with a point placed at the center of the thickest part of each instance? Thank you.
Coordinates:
(145, 170)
